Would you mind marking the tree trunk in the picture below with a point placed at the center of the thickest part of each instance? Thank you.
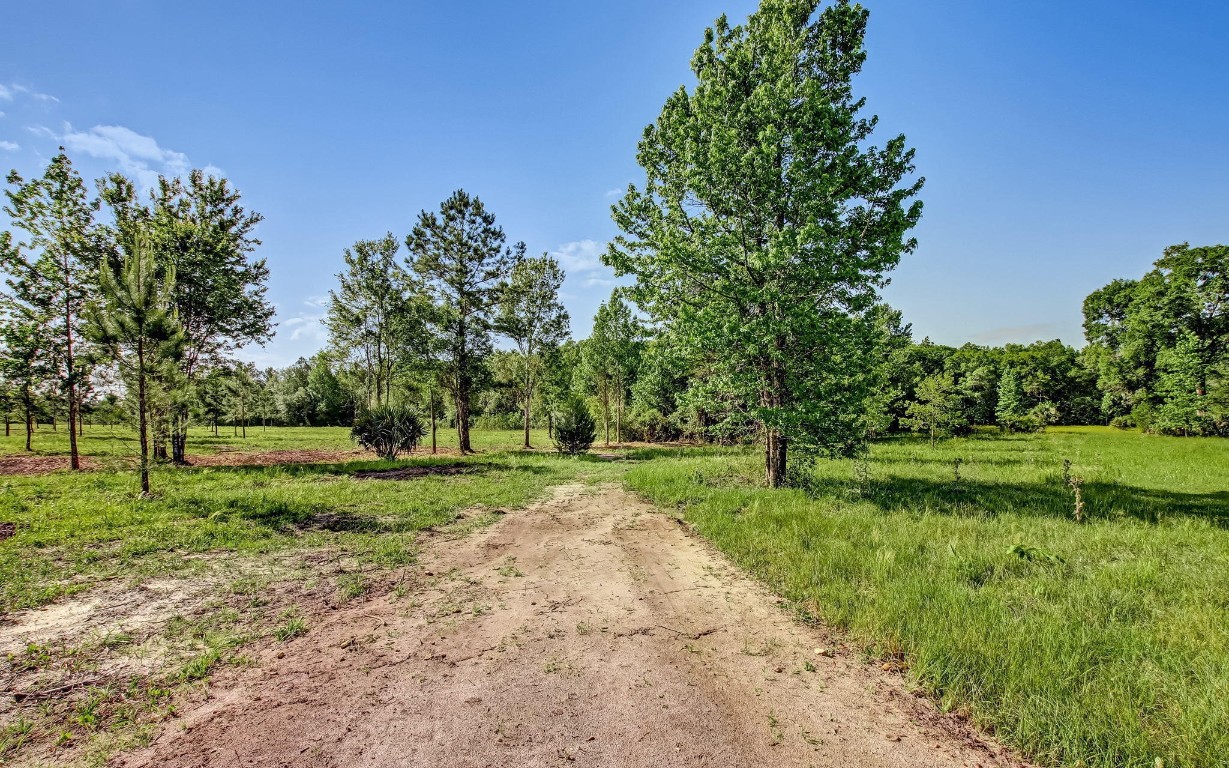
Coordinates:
(179, 437)
(528, 400)
(74, 460)
(143, 423)
(606, 414)
(775, 443)
(431, 405)
(243, 418)
(28, 402)
(775, 458)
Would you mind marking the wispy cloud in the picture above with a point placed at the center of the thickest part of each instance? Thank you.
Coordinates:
(13, 90)
(1017, 334)
(580, 256)
(135, 154)
(9, 146)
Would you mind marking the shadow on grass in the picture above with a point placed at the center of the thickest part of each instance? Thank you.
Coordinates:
(285, 516)
(368, 468)
(1049, 499)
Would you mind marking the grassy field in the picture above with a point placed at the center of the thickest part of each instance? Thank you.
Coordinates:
(107, 442)
(1096, 643)
(256, 549)
(1102, 643)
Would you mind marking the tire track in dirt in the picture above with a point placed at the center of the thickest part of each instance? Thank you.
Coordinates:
(587, 629)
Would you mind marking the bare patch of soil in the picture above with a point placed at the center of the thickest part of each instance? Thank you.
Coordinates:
(589, 628)
(39, 465)
(409, 473)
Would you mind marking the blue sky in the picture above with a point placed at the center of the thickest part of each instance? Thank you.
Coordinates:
(1064, 144)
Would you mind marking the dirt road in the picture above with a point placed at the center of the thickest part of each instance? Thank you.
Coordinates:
(588, 629)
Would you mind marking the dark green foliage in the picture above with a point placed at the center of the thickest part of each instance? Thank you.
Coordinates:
(1160, 344)
(389, 430)
(575, 429)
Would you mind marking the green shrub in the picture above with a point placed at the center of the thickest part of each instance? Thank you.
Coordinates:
(388, 430)
(575, 429)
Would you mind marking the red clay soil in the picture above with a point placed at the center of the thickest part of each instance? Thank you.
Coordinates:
(38, 465)
(588, 629)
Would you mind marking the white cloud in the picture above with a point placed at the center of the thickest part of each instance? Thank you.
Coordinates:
(306, 328)
(580, 256)
(135, 154)
(9, 146)
(9, 92)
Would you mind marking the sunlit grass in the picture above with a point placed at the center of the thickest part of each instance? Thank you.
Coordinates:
(1105, 642)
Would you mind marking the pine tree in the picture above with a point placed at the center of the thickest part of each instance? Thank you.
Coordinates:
(460, 254)
(1009, 412)
(134, 318)
(55, 270)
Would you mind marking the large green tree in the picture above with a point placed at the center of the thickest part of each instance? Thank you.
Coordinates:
(612, 357)
(462, 256)
(54, 270)
(531, 315)
(768, 219)
(377, 317)
(201, 232)
(1132, 326)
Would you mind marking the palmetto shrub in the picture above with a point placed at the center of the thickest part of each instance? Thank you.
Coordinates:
(388, 430)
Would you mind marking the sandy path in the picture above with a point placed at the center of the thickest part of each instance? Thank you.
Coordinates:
(587, 629)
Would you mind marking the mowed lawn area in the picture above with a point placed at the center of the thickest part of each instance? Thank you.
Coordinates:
(1098, 643)
(1101, 643)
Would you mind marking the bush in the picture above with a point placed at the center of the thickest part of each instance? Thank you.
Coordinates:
(575, 429)
(388, 430)
(1123, 422)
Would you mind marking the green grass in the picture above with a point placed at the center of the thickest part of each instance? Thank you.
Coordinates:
(1096, 644)
(237, 534)
(1100, 644)
(77, 529)
(107, 442)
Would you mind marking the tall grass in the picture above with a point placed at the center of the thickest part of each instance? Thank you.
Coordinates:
(1097, 644)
